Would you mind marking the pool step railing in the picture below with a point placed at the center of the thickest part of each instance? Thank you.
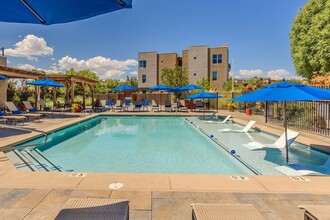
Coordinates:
(86, 112)
(30, 159)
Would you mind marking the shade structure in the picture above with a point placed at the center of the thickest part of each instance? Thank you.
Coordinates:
(204, 95)
(3, 78)
(46, 82)
(49, 12)
(191, 87)
(159, 87)
(124, 87)
(285, 92)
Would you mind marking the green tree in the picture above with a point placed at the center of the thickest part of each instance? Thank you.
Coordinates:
(204, 83)
(310, 39)
(132, 81)
(175, 77)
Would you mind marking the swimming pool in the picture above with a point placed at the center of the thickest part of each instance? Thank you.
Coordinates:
(140, 144)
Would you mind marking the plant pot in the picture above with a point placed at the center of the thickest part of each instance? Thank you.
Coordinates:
(231, 108)
(77, 109)
(248, 111)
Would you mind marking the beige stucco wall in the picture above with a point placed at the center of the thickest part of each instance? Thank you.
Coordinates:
(168, 60)
(221, 69)
(185, 61)
(198, 63)
(3, 84)
(3, 61)
(151, 70)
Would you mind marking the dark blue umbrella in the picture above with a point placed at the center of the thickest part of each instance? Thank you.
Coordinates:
(56, 11)
(285, 92)
(124, 87)
(204, 95)
(3, 78)
(46, 82)
(159, 87)
(191, 87)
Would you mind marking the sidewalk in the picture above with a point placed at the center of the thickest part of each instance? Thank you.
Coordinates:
(312, 140)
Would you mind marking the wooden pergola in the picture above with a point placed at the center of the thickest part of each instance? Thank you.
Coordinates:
(70, 81)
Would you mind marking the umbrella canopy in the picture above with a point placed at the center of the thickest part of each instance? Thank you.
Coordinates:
(49, 12)
(285, 92)
(191, 87)
(176, 89)
(159, 87)
(204, 95)
(124, 87)
(3, 78)
(46, 82)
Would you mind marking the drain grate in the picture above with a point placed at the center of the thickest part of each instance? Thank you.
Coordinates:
(116, 185)
(239, 178)
(78, 174)
(299, 178)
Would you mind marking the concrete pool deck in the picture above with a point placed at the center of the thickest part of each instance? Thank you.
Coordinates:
(41, 195)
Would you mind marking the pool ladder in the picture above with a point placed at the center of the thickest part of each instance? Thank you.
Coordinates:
(28, 156)
(85, 111)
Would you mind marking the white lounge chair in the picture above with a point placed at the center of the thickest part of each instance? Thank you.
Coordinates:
(245, 129)
(181, 107)
(34, 110)
(118, 106)
(168, 105)
(43, 105)
(301, 170)
(218, 122)
(154, 105)
(280, 143)
(12, 107)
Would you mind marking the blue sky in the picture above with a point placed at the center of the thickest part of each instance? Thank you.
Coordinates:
(256, 31)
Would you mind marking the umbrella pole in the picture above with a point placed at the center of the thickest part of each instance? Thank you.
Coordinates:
(286, 133)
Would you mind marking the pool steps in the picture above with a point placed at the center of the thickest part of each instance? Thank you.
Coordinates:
(31, 159)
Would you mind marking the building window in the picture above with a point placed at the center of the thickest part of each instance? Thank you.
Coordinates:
(217, 58)
(144, 78)
(214, 76)
(142, 64)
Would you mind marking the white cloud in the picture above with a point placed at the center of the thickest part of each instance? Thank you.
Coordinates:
(249, 73)
(30, 47)
(105, 68)
(278, 74)
(134, 73)
(26, 67)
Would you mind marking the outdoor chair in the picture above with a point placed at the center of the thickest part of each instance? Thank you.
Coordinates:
(43, 105)
(205, 211)
(12, 107)
(168, 105)
(145, 104)
(127, 104)
(12, 118)
(137, 105)
(181, 107)
(109, 104)
(34, 110)
(118, 106)
(301, 170)
(199, 105)
(154, 105)
(101, 107)
(94, 209)
(215, 114)
(245, 129)
(315, 212)
(280, 143)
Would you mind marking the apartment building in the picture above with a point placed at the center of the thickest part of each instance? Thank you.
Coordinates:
(197, 61)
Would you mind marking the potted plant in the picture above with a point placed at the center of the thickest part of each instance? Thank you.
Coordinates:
(231, 107)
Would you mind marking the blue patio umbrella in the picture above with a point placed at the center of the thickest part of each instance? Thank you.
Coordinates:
(49, 12)
(46, 82)
(191, 87)
(124, 87)
(160, 87)
(285, 92)
(3, 78)
(204, 95)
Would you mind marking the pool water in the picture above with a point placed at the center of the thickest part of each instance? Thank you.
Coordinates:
(141, 144)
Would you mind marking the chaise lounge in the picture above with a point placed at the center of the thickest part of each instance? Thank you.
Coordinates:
(245, 129)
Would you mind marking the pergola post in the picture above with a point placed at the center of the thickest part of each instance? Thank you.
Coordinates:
(73, 85)
(54, 97)
(83, 85)
(92, 88)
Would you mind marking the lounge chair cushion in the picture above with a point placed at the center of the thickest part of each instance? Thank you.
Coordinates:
(32, 110)
(17, 112)
(46, 108)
